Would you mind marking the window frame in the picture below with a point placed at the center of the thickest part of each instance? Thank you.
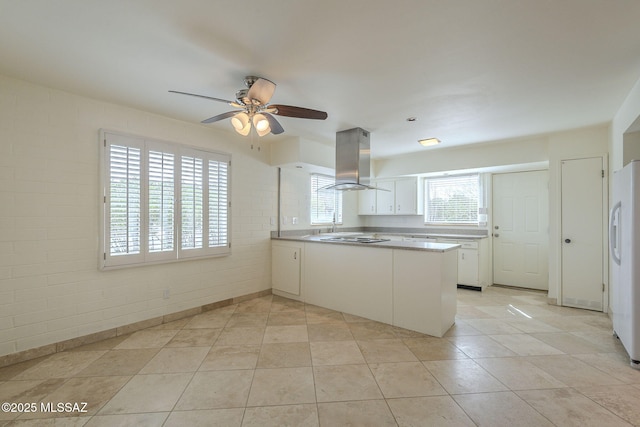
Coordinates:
(107, 258)
(458, 222)
(338, 203)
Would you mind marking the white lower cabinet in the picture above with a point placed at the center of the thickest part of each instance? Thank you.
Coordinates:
(286, 259)
(472, 262)
(468, 267)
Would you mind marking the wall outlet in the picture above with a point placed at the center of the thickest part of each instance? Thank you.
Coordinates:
(166, 294)
(294, 220)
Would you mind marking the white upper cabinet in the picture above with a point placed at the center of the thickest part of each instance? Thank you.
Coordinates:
(385, 199)
(403, 196)
(408, 197)
(367, 202)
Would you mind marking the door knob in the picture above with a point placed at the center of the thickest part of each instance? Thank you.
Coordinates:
(496, 235)
(567, 240)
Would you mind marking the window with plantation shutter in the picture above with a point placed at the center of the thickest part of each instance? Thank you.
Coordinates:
(162, 193)
(162, 201)
(125, 200)
(205, 203)
(326, 205)
(218, 203)
(452, 199)
(192, 203)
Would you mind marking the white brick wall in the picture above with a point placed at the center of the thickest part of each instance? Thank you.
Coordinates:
(50, 287)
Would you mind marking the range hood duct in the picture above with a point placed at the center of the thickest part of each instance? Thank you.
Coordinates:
(353, 160)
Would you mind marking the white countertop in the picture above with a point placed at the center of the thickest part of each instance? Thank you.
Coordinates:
(435, 235)
(415, 246)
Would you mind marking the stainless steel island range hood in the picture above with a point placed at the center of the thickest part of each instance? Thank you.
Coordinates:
(353, 160)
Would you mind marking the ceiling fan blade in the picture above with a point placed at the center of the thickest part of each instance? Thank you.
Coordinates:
(275, 126)
(220, 117)
(261, 90)
(303, 113)
(226, 101)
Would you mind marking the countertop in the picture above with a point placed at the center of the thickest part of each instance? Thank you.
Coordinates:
(436, 236)
(415, 246)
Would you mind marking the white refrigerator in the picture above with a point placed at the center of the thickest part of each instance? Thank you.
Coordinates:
(624, 247)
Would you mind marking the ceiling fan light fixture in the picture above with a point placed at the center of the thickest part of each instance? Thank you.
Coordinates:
(245, 130)
(427, 142)
(262, 124)
(240, 121)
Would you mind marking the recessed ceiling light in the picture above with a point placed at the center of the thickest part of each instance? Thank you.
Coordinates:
(429, 141)
(411, 119)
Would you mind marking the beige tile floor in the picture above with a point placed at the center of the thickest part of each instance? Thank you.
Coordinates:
(510, 360)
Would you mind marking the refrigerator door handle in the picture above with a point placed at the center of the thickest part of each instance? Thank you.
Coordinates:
(614, 233)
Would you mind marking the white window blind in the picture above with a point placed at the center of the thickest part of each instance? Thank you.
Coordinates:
(452, 199)
(326, 205)
(155, 191)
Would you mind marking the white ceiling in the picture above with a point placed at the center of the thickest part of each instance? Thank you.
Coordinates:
(469, 70)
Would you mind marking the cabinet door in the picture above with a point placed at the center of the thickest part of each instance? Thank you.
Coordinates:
(385, 199)
(367, 202)
(406, 197)
(285, 268)
(468, 267)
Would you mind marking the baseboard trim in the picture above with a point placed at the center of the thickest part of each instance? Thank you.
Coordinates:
(45, 350)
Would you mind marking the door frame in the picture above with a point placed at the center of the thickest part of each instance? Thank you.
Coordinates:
(605, 229)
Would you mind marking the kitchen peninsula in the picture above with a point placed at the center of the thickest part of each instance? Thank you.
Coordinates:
(407, 284)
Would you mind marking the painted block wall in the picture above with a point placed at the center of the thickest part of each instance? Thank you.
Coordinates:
(50, 286)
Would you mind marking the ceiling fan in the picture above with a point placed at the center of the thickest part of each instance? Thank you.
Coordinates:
(255, 109)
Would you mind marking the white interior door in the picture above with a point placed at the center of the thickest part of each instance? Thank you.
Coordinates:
(582, 258)
(520, 234)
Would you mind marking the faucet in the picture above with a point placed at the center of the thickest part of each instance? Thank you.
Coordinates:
(333, 224)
